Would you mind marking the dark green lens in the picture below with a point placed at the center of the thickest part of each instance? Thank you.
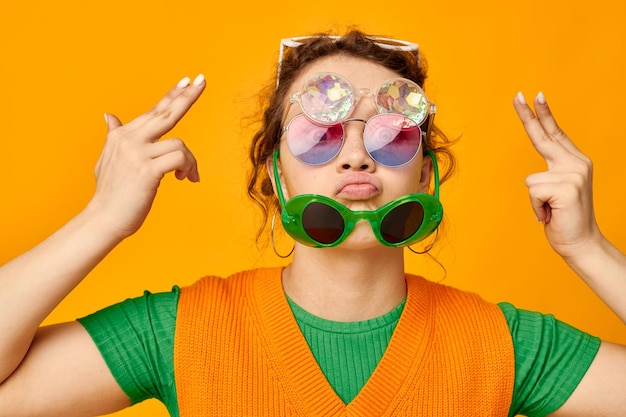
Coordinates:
(402, 222)
(322, 222)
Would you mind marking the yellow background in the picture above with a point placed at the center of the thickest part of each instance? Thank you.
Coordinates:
(63, 64)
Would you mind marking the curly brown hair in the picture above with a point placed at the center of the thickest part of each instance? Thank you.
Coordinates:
(354, 43)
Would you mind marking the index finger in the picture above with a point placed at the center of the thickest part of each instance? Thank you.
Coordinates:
(547, 120)
(169, 110)
(545, 134)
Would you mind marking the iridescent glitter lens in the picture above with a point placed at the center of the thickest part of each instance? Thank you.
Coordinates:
(327, 98)
(403, 96)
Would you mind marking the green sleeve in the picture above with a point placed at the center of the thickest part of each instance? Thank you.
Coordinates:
(136, 340)
(551, 358)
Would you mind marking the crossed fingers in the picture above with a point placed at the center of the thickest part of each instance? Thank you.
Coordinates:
(545, 134)
(145, 131)
(169, 110)
(563, 192)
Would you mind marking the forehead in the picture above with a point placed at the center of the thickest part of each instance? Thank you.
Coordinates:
(361, 72)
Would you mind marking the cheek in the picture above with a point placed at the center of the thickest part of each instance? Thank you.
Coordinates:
(305, 181)
(298, 178)
(407, 178)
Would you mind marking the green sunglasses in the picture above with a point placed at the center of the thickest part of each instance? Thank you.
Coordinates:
(319, 221)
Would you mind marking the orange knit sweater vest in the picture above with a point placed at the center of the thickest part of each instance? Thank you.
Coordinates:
(239, 352)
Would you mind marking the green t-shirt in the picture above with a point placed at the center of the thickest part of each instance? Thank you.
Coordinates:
(136, 339)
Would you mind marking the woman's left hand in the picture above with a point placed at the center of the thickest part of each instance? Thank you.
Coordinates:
(561, 197)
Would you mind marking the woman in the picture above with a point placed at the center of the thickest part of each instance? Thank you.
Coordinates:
(348, 135)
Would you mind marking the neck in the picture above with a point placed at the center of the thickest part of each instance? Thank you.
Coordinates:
(346, 285)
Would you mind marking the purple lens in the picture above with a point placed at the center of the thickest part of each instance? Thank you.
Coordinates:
(311, 143)
(392, 139)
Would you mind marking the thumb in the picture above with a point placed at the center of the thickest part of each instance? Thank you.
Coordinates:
(540, 196)
(112, 121)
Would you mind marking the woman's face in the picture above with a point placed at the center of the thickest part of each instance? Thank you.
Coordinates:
(352, 178)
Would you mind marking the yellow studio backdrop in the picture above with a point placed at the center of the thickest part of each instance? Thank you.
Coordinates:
(64, 63)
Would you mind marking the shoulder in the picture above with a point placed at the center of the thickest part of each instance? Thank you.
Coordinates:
(146, 310)
(459, 315)
(546, 349)
(213, 295)
(451, 299)
(238, 281)
(462, 328)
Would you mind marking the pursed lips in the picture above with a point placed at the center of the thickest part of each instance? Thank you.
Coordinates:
(357, 186)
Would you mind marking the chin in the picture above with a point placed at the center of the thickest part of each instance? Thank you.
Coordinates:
(362, 239)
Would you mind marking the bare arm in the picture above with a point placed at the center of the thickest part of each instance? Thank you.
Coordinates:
(562, 199)
(602, 391)
(63, 374)
(128, 174)
(32, 285)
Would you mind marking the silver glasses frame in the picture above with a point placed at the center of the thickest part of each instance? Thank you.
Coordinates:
(386, 43)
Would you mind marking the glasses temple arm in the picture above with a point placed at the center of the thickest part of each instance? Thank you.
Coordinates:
(279, 189)
(431, 154)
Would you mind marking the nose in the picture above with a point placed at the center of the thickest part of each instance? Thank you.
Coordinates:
(353, 155)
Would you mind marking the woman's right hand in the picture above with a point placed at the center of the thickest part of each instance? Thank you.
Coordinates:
(128, 173)
(134, 160)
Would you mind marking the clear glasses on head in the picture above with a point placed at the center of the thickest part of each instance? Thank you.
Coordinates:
(386, 43)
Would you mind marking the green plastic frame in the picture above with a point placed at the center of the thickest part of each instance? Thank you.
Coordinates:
(292, 210)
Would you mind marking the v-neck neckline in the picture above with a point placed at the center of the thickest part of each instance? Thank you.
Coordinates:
(302, 377)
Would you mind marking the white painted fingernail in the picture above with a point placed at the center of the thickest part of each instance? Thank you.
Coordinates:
(198, 80)
(106, 119)
(541, 98)
(521, 98)
(183, 83)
